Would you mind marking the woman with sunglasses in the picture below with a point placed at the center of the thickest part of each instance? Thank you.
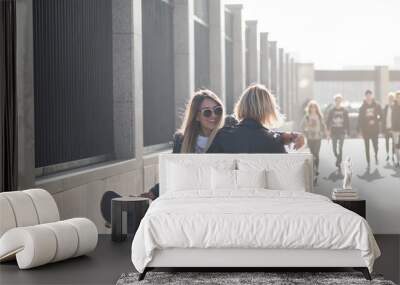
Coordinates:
(256, 110)
(202, 119)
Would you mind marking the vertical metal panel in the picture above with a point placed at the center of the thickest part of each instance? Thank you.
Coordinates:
(158, 72)
(202, 51)
(265, 62)
(229, 91)
(281, 70)
(247, 39)
(228, 24)
(201, 9)
(274, 67)
(8, 97)
(72, 79)
(229, 76)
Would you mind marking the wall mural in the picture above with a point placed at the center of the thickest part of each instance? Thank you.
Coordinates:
(375, 169)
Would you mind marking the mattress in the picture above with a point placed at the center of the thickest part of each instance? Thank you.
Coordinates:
(250, 219)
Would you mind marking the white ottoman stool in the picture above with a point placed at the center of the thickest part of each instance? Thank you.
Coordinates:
(31, 232)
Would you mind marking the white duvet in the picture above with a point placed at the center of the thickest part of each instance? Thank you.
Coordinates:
(250, 219)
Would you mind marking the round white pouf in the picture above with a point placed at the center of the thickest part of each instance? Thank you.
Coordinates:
(67, 240)
(87, 233)
(40, 244)
(33, 246)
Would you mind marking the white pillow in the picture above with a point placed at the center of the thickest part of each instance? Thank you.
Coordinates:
(226, 179)
(282, 179)
(223, 179)
(183, 177)
(282, 174)
(251, 179)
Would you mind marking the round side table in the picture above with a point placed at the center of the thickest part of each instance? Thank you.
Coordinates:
(126, 214)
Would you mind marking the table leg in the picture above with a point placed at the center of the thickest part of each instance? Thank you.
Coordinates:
(116, 222)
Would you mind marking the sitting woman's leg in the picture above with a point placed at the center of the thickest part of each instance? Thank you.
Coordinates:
(105, 203)
(153, 193)
(105, 206)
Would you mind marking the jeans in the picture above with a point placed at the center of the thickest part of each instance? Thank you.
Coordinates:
(337, 145)
(374, 139)
(388, 136)
(315, 146)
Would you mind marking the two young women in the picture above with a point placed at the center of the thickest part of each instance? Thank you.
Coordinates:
(205, 128)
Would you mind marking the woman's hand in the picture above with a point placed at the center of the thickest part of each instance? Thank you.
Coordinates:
(296, 138)
(298, 141)
(328, 135)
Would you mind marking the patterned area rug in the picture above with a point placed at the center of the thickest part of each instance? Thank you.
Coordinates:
(269, 278)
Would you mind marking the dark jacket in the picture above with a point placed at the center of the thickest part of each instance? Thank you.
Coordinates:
(177, 142)
(230, 121)
(369, 118)
(249, 136)
(396, 117)
(338, 122)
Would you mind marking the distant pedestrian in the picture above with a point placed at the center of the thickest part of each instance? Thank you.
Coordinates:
(396, 126)
(314, 128)
(387, 126)
(338, 126)
(368, 123)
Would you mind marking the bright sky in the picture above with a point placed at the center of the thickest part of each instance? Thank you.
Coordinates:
(332, 34)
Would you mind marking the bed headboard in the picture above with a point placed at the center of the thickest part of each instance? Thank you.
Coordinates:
(283, 162)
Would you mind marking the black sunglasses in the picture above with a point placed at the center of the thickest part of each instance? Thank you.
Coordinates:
(207, 112)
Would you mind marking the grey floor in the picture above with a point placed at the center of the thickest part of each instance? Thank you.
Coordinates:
(110, 260)
(103, 266)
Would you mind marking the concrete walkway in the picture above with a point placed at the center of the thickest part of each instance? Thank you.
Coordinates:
(379, 185)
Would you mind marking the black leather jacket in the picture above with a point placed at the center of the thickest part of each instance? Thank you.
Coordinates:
(177, 142)
(369, 118)
(249, 136)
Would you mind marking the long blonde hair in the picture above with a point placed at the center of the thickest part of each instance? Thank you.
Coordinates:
(259, 104)
(191, 128)
(314, 104)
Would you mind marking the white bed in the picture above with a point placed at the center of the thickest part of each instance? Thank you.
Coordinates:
(241, 210)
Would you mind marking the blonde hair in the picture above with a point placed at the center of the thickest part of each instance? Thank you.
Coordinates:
(314, 104)
(259, 104)
(190, 127)
(337, 96)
